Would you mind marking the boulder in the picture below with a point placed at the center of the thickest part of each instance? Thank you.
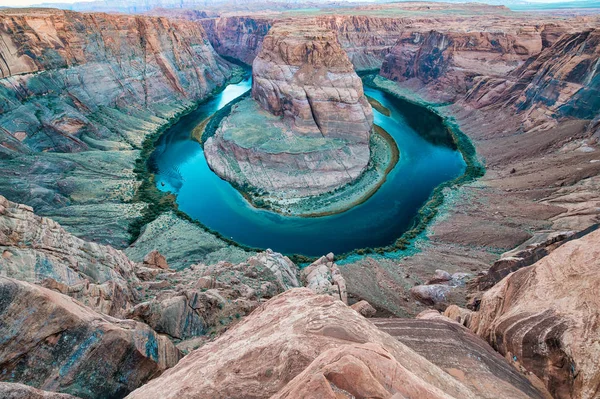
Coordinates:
(51, 341)
(364, 308)
(155, 260)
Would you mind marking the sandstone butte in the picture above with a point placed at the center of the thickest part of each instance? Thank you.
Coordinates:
(79, 95)
(320, 141)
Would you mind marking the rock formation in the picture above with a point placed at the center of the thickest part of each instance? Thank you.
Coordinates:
(19, 391)
(91, 355)
(316, 137)
(544, 318)
(324, 277)
(461, 354)
(300, 344)
(561, 81)
(447, 61)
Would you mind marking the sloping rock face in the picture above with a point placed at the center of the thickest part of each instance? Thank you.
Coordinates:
(545, 317)
(53, 342)
(315, 134)
(37, 249)
(259, 356)
(461, 354)
(73, 83)
(300, 344)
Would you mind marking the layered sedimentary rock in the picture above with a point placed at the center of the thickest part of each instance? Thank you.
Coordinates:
(73, 83)
(315, 137)
(53, 342)
(304, 345)
(39, 250)
(448, 61)
(562, 81)
(238, 37)
(461, 354)
(545, 318)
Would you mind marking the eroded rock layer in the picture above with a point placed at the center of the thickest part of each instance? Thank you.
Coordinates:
(545, 318)
(302, 345)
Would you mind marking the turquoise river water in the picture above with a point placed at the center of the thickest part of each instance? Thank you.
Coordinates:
(426, 160)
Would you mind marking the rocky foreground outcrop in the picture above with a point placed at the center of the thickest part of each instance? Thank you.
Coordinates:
(304, 345)
(315, 137)
(545, 318)
(50, 341)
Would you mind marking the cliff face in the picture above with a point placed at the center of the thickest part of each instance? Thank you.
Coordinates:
(366, 40)
(77, 83)
(562, 81)
(448, 61)
(237, 37)
(303, 74)
(62, 70)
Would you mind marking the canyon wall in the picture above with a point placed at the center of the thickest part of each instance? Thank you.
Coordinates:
(93, 86)
(562, 81)
(237, 37)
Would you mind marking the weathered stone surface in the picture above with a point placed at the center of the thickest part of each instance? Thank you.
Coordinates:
(324, 277)
(35, 248)
(545, 316)
(292, 334)
(91, 355)
(203, 300)
(319, 138)
(364, 308)
(154, 259)
(461, 354)
(19, 391)
(526, 254)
